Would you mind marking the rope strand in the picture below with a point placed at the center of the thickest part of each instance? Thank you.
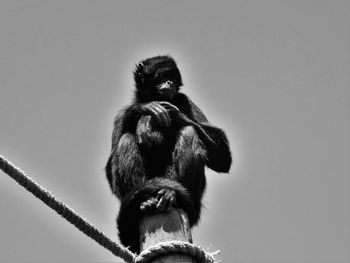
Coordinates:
(64, 211)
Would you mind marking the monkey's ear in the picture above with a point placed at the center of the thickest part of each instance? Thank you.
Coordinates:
(141, 78)
(139, 75)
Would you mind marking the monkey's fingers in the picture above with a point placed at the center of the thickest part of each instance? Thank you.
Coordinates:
(168, 105)
(158, 112)
(162, 203)
(161, 115)
(167, 199)
(149, 205)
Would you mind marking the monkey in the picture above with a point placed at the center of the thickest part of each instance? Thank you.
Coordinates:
(161, 144)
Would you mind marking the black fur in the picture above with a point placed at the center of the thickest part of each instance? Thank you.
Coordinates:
(151, 161)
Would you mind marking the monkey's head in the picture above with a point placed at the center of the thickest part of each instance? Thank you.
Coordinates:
(157, 79)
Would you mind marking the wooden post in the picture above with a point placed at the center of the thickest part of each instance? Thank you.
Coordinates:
(167, 226)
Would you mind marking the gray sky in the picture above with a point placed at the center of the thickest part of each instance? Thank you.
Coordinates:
(273, 74)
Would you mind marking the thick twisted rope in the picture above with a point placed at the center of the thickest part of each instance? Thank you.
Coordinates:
(164, 248)
(64, 211)
(176, 247)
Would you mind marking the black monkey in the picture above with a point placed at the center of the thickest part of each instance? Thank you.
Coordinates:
(161, 144)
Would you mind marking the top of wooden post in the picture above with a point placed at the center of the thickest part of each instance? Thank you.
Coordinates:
(166, 226)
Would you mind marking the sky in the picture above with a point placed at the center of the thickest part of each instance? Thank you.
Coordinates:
(273, 74)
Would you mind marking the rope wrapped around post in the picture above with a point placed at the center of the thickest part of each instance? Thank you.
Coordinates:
(84, 226)
(169, 247)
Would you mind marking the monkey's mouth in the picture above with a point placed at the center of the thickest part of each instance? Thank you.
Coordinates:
(167, 90)
(167, 93)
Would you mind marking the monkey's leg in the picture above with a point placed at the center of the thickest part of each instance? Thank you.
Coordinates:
(188, 162)
(146, 135)
(127, 164)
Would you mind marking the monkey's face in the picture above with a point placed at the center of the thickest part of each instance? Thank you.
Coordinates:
(166, 83)
(157, 79)
(166, 89)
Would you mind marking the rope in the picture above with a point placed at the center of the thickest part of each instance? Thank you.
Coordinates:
(164, 248)
(178, 247)
(64, 211)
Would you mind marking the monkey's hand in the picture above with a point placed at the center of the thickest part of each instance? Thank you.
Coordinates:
(145, 133)
(159, 111)
(162, 202)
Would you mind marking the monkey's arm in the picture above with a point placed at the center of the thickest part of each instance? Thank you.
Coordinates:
(214, 139)
(124, 122)
(218, 148)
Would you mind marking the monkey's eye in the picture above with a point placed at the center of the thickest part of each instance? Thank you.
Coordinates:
(165, 81)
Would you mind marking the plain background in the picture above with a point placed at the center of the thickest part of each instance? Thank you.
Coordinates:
(274, 75)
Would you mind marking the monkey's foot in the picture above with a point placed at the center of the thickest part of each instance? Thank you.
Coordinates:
(164, 199)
